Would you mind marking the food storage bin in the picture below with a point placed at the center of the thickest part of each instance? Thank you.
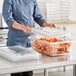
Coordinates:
(52, 41)
(52, 46)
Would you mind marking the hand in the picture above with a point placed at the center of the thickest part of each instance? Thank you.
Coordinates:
(48, 24)
(24, 28)
(51, 25)
(27, 29)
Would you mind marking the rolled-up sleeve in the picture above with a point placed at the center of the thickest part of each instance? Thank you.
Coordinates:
(7, 12)
(37, 15)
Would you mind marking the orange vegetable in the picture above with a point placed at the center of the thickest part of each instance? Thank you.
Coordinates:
(51, 49)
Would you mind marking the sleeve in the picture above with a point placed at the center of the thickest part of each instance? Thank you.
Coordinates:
(37, 15)
(8, 13)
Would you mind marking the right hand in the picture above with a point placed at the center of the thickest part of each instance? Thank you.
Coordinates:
(27, 29)
(24, 28)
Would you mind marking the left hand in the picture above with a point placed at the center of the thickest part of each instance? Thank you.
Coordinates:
(48, 24)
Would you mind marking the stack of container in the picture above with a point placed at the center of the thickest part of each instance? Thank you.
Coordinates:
(58, 11)
(55, 10)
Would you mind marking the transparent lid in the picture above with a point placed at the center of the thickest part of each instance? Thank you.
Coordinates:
(51, 32)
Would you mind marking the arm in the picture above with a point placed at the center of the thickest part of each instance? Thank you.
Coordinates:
(7, 12)
(38, 17)
(8, 17)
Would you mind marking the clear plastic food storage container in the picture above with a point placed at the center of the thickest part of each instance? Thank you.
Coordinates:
(51, 41)
(52, 46)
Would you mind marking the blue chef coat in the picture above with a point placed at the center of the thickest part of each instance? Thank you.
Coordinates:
(24, 12)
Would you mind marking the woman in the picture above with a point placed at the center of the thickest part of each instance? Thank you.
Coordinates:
(20, 16)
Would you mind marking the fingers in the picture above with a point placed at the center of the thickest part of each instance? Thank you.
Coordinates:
(27, 29)
(51, 25)
(48, 24)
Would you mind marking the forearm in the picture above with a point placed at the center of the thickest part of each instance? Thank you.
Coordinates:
(23, 28)
(18, 26)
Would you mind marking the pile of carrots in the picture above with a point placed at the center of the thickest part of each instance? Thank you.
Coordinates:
(49, 46)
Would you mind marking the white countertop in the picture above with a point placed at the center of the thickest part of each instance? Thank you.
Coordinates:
(44, 62)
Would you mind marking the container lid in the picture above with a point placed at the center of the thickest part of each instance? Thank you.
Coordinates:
(19, 53)
(51, 32)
